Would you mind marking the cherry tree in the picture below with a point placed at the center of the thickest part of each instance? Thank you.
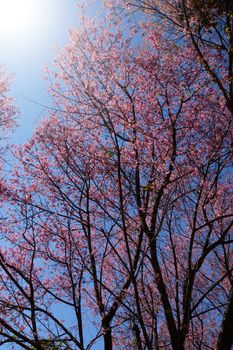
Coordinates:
(7, 111)
(8, 114)
(121, 202)
(206, 25)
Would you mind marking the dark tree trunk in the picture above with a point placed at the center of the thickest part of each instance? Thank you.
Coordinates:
(108, 339)
(225, 338)
(177, 341)
(136, 331)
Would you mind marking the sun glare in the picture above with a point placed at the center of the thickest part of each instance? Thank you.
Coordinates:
(17, 17)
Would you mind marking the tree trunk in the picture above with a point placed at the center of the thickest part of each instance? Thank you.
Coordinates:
(108, 339)
(225, 337)
(136, 331)
(175, 336)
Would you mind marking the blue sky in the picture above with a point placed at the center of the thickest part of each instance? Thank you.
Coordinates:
(25, 60)
(25, 56)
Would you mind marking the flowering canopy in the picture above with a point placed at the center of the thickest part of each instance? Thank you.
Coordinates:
(121, 205)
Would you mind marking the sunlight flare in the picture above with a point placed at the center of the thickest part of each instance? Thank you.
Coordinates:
(17, 17)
